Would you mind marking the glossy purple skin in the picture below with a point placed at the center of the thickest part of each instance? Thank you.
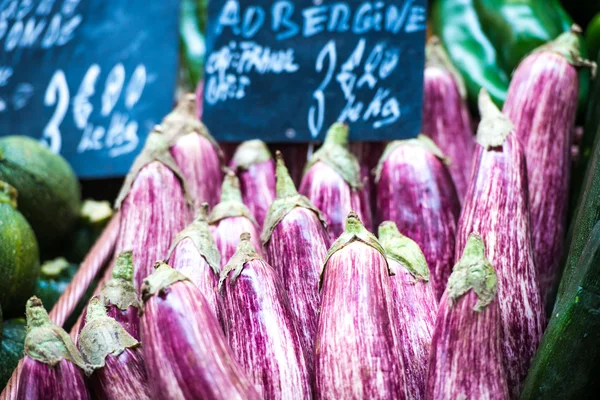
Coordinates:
(122, 377)
(416, 192)
(40, 381)
(200, 165)
(152, 214)
(227, 233)
(542, 103)
(466, 354)
(330, 193)
(187, 260)
(262, 333)
(415, 307)
(447, 122)
(355, 352)
(186, 354)
(496, 207)
(257, 184)
(296, 250)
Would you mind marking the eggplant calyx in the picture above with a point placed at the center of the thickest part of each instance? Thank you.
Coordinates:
(244, 253)
(249, 153)
(102, 336)
(473, 271)
(120, 291)
(160, 280)
(354, 231)
(46, 342)
(494, 126)
(231, 204)
(199, 233)
(403, 250)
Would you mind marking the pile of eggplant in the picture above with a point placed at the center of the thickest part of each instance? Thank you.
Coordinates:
(424, 278)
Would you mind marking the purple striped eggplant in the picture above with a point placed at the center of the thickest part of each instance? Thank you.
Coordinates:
(466, 354)
(355, 352)
(497, 208)
(415, 190)
(195, 151)
(542, 104)
(154, 207)
(120, 297)
(230, 218)
(186, 353)
(414, 304)
(261, 328)
(195, 255)
(295, 239)
(446, 117)
(332, 181)
(53, 367)
(114, 355)
(255, 169)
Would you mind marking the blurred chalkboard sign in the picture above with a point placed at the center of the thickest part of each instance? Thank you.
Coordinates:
(285, 70)
(89, 78)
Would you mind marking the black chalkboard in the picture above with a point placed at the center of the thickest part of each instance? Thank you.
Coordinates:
(285, 70)
(89, 78)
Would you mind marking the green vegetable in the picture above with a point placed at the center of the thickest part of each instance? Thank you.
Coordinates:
(19, 255)
(567, 363)
(93, 218)
(486, 39)
(48, 189)
(192, 39)
(55, 276)
(592, 36)
(11, 347)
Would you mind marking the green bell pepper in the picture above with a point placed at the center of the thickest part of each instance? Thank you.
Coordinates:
(486, 39)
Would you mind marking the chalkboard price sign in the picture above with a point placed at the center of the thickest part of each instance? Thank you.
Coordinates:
(88, 78)
(285, 70)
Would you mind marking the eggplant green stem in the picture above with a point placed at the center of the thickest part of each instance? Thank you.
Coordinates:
(8, 194)
(285, 185)
(494, 126)
(119, 291)
(160, 280)
(123, 268)
(36, 314)
(230, 190)
(403, 250)
(244, 253)
(337, 135)
(95, 310)
(231, 204)
(473, 272)
(249, 153)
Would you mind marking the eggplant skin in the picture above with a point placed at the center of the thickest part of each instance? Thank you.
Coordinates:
(122, 377)
(226, 233)
(200, 164)
(151, 215)
(415, 307)
(415, 190)
(262, 333)
(355, 352)
(258, 188)
(186, 354)
(296, 250)
(496, 207)
(40, 381)
(466, 357)
(447, 122)
(331, 194)
(542, 103)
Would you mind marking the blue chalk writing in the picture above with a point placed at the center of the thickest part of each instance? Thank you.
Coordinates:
(282, 11)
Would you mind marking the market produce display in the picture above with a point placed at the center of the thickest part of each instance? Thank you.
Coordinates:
(413, 269)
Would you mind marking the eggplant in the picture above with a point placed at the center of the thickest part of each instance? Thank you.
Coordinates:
(415, 190)
(414, 304)
(114, 355)
(497, 208)
(230, 218)
(295, 239)
(446, 118)
(195, 151)
(296, 155)
(53, 367)
(542, 103)
(186, 354)
(154, 206)
(355, 351)
(332, 181)
(260, 326)
(255, 168)
(466, 354)
(195, 254)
